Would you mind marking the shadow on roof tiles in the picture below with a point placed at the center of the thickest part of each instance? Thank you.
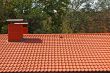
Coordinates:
(32, 40)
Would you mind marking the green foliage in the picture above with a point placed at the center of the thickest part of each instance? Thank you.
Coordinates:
(78, 21)
(57, 16)
(4, 29)
(56, 9)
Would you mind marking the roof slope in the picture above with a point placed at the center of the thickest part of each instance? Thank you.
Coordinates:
(56, 52)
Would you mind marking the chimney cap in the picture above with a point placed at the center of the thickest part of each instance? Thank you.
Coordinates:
(21, 23)
(15, 20)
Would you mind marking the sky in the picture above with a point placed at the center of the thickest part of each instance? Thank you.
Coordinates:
(92, 4)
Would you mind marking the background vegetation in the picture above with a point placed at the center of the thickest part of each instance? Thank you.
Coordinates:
(58, 16)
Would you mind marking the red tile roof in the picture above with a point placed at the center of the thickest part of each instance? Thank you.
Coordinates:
(56, 53)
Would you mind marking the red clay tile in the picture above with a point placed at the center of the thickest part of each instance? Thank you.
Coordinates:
(56, 53)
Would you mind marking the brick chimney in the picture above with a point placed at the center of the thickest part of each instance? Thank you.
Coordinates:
(16, 29)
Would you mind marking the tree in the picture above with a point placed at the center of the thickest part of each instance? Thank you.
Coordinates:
(1, 15)
(56, 9)
(56, 16)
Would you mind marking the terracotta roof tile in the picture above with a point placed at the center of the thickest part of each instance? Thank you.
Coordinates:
(56, 52)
